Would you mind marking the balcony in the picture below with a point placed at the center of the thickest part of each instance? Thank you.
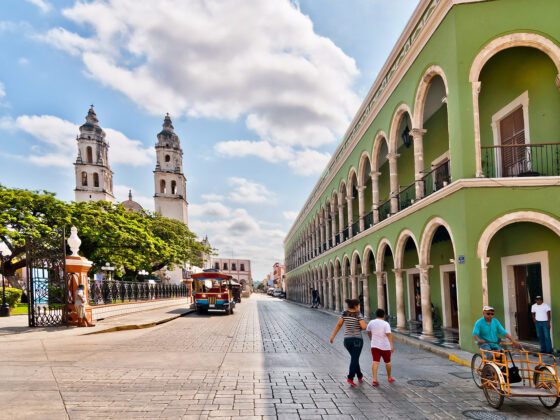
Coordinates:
(368, 220)
(437, 178)
(345, 234)
(407, 196)
(519, 160)
(384, 210)
(355, 228)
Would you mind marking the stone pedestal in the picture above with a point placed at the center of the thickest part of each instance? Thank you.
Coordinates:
(77, 269)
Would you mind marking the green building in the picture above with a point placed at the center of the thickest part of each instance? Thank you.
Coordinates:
(444, 194)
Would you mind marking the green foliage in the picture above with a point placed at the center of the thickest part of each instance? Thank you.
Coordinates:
(128, 240)
(13, 296)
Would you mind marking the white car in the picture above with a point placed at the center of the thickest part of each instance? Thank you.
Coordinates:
(278, 293)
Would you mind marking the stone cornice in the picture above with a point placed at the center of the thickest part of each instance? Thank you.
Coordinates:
(548, 181)
(424, 21)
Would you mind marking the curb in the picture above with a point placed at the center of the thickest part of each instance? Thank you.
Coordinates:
(139, 326)
(446, 354)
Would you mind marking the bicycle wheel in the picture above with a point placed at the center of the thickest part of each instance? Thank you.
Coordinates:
(545, 380)
(491, 386)
(476, 367)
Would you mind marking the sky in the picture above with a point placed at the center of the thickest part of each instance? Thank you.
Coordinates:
(260, 93)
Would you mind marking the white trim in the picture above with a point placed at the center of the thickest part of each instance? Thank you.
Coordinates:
(444, 269)
(521, 101)
(508, 277)
(410, 291)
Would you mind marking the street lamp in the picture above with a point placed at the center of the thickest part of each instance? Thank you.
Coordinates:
(143, 274)
(108, 268)
(4, 252)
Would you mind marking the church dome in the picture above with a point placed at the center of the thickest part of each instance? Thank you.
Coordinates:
(131, 205)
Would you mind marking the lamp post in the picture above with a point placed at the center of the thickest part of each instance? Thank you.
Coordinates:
(108, 268)
(143, 274)
(4, 252)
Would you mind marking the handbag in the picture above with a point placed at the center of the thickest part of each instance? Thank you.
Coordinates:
(513, 371)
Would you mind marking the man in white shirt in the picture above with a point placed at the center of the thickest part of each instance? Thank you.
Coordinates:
(541, 318)
(379, 332)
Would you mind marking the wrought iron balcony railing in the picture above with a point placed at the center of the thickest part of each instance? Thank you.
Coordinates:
(407, 196)
(384, 210)
(355, 228)
(345, 234)
(437, 178)
(368, 220)
(515, 160)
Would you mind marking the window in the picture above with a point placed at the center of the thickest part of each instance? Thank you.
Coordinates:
(217, 266)
(89, 155)
(173, 187)
(242, 267)
(162, 186)
(234, 266)
(225, 266)
(95, 179)
(167, 158)
(84, 179)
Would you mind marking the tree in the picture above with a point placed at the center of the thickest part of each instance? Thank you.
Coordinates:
(131, 241)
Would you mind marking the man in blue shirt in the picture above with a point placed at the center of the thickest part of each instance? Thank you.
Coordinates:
(487, 331)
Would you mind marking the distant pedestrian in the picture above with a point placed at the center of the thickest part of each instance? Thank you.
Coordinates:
(353, 341)
(379, 333)
(80, 306)
(318, 300)
(541, 318)
(315, 298)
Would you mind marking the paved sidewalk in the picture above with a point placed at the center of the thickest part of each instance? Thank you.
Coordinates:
(15, 328)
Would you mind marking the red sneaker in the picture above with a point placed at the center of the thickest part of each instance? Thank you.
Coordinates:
(391, 379)
(375, 384)
(361, 379)
(351, 382)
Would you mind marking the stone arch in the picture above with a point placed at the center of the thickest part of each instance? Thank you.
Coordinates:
(337, 267)
(399, 249)
(518, 39)
(365, 258)
(355, 262)
(380, 137)
(379, 259)
(422, 92)
(346, 262)
(364, 168)
(510, 218)
(426, 239)
(395, 121)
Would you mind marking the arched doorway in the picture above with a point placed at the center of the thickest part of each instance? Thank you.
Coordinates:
(370, 289)
(381, 182)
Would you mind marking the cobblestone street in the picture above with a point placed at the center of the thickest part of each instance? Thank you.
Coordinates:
(271, 359)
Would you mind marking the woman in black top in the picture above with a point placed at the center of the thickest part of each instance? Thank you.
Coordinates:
(354, 323)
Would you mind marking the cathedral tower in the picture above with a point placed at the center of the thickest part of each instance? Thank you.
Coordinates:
(94, 178)
(170, 196)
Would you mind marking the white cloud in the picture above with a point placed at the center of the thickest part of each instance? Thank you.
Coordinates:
(57, 145)
(213, 197)
(23, 61)
(121, 194)
(306, 162)
(245, 191)
(209, 209)
(261, 61)
(43, 5)
(2, 94)
(290, 215)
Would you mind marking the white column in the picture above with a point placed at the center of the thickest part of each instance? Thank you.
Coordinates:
(333, 221)
(361, 207)
(327, 227)
(354, 282)
(401, 317)
(375, 195)
(484, 271)
(330, 293)
(427, 323)
(350, 216)
(344, 291)
(321, 232)
(476, 114)
(336, 294)
(340, 220)
(380, 294)
(394, 180)
(418, 135)
(365, 293)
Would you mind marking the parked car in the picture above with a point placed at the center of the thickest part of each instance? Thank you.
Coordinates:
(278, 293)
(270, 291)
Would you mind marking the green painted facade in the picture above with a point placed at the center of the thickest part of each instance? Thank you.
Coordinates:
(467, 208)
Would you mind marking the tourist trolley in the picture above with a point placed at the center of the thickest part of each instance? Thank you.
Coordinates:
(213, 290)
(516, 373)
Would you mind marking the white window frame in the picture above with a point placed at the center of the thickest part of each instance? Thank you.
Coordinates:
(444, 271)
(521, 101)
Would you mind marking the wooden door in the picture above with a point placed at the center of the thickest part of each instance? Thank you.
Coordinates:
(453, 300)
(522, 302)
(512, 139)
(417, 297)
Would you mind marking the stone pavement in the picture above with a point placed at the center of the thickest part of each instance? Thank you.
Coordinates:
(269, 360)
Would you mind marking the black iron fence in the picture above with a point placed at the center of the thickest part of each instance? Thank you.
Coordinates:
(407, 196)
(107, 292)
(368, 220)
(345, 234)
(355, 228)
(437, 178)
(521, 160)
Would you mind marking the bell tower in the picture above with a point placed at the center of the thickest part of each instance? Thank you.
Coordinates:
(94, 178)
(170, 184)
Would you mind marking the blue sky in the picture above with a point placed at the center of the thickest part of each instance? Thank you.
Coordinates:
(260, 94)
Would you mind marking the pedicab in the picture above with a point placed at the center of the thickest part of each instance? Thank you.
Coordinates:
(516, 373)
(236, 289)
(213, 291)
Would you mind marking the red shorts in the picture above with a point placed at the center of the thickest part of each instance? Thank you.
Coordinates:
(378, 354)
